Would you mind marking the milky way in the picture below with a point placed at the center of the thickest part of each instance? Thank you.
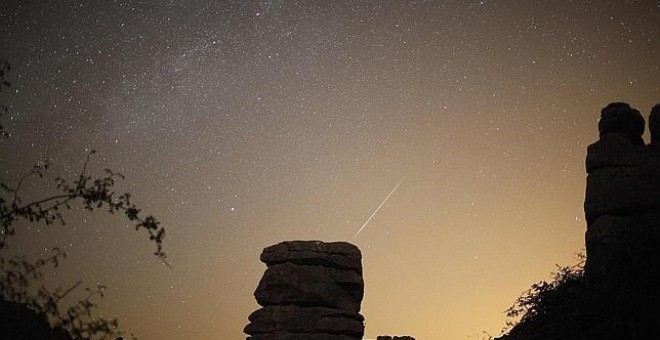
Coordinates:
(240, 124)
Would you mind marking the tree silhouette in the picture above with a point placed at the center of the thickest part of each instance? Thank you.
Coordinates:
(561, 301)
(41, 313)
(571, 306)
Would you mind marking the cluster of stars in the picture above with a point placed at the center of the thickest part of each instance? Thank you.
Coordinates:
(243, 123)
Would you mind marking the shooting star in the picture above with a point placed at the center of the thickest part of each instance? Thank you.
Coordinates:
(380, 206)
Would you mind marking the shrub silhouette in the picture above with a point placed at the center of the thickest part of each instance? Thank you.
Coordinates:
(25, 314)
(571, 306)
(547, 304)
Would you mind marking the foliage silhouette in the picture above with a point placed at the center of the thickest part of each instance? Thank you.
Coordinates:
(18, 274)
(574, 306)
(76, 322)
(549, 302)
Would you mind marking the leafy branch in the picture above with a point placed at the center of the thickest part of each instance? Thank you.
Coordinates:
(93, 193)
(543, 298)
(16, 276)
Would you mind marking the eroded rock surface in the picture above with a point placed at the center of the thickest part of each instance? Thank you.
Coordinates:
(310, 290)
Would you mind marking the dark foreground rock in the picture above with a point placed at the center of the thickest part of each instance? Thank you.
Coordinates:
(310, 290)
(622, 202)
(17, 321)
(618, 294)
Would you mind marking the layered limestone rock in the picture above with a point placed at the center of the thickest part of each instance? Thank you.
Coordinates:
(622, 201)
(310, 290)
(619, 294)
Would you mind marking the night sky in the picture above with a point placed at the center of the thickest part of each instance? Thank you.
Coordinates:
(241, 124)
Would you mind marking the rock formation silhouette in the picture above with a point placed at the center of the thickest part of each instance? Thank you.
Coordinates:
(17, 321)
(618, 295)
(622, 207)
(654, 127)
(310, 290)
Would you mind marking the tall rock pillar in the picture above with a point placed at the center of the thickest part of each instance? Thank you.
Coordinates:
(310, 290)
(622, 208)
(619, 295)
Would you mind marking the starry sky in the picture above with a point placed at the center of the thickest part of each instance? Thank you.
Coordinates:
(240, 124)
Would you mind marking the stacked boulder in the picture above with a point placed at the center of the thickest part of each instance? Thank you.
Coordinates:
(622, 201)
(310, 290)
(622, 208)
(618, 295)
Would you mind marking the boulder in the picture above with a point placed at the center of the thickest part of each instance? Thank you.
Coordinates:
(621, 191)
(617, 295)
(623, 248)
(310, 290)
(340, 255)
(620, 117)
(654, 126)
(307, 285)
(622, 203)
(614, 150)
(297, 319)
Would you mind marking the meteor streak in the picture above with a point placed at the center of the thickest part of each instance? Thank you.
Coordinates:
(380, 206)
